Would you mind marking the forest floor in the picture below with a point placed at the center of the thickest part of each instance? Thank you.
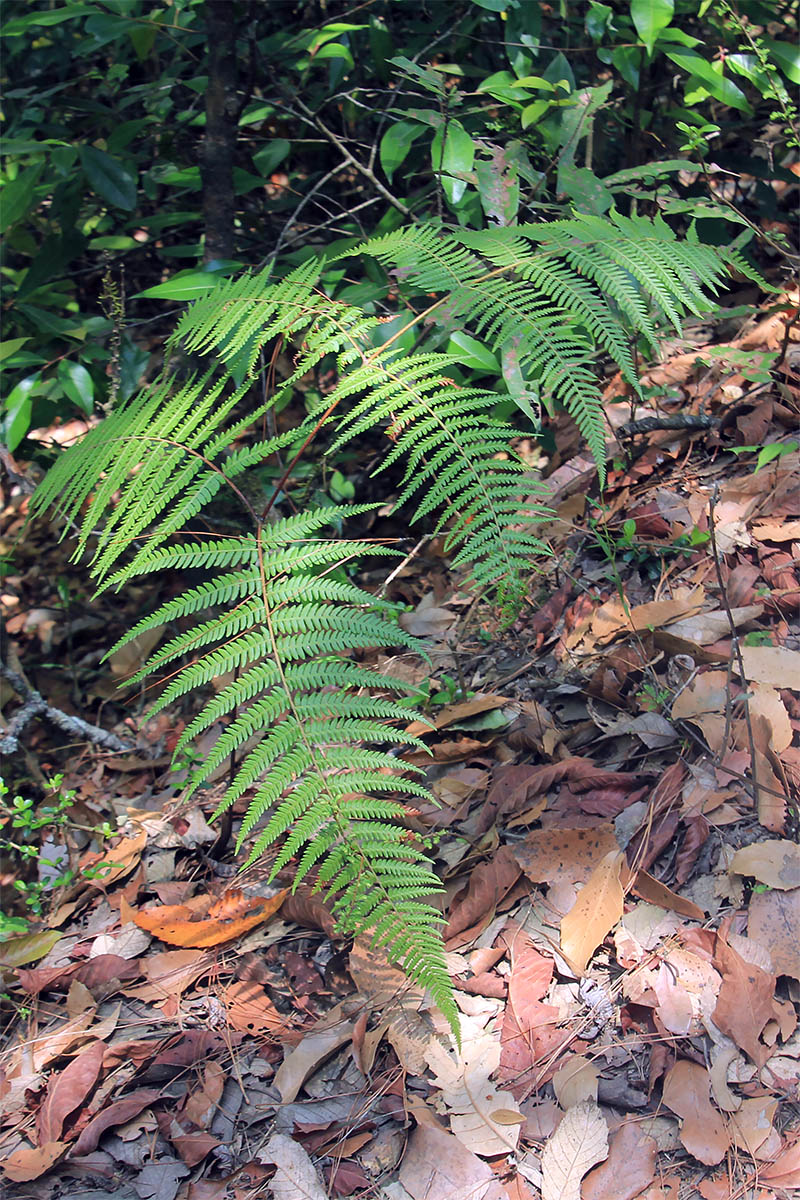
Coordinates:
(618, 778)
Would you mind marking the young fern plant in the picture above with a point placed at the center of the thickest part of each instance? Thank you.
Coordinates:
(306, 723)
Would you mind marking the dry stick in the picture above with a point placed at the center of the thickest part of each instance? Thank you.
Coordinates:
(35, 705)
(734, 641)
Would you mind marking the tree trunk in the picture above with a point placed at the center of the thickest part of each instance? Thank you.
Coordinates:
(219, 144)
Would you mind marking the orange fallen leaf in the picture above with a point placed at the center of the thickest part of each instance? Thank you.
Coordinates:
(29, 1162)
(227, 918)
(686, 1093)
(596, 910)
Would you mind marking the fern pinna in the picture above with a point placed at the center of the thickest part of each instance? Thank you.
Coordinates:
(306, 723)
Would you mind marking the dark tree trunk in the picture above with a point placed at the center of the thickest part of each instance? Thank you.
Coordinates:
(219, 144)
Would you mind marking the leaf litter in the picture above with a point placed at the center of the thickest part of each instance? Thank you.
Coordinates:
(619, 832)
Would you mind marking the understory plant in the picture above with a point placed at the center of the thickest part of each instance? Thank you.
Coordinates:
(314, 731)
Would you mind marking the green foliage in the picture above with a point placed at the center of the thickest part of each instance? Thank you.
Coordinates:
(307, 726)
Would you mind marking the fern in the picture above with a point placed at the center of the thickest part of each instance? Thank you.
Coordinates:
(307, 725)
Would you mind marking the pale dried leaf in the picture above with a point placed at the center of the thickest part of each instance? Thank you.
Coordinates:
(576, 1081)
(580, 1142)
(471, 1097)
(295, 1176)
(775, 862)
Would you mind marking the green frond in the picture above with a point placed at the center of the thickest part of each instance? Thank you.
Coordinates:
(274, 620)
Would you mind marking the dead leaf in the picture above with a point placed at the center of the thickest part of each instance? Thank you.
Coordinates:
(29, 1162)
(580, 1141)
(327, 1036)
(744, 1004)
(784, 1172)
(774, 922)
(67, 1091)
(596, 910)
(564, 855)
(575, 1081)
(464, 1079)
(614, 617)
(115, 1114)
(488, 884)
(250, 1009)
(458, 712)
(295, 1175)
(629, 1168)
(655, 892)
(775, 862)
(228, 918)
(437, 1166)
(751, 1124)
(708, 627)
(686, 1093)
(169, 973)
(776, 666)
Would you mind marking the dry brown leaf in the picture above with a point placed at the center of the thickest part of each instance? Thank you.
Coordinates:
(580, 1142)
(629, 1168)
(654, 891)
(67, 1090)
(775, 862)
(564, 855)
(458, 712)
(596, 910)
(686, 1093)
(774, 922)
(228, 918)
(744, 1004)
(295, 1176)
(328, 1035)
(529, 1027)
(169, 973)
(29, 1162)
(708, 627)
(250, 1010)
(115, 863)
(614, 617)
(437, 1166)
(488, 884)
(751, 1124)
(703, 702)
(115, 1114)
(784, 1172)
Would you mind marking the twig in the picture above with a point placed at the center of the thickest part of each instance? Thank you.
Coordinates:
(35, 705)
(734, 639)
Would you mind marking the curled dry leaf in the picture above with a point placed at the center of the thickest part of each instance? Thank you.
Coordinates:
(580, 1142)
(67, 1090)
(595, 912)
(686, 1093)
(227, 918)
(744, 1004)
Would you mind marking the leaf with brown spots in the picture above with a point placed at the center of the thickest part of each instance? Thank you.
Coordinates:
(564, 855)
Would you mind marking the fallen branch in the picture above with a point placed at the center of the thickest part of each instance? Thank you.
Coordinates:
(34, 705)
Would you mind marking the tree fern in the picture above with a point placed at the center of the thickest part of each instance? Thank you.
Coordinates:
(307, 725)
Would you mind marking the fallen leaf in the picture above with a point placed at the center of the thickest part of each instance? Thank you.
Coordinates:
(488, 884)
(250, 1010)
(295, 1174)
(774, 862)
(686, 1093)
(774, 922)
(777, 666)
(18, 951)
(654, 891)
(116, 863)
(67, 1090)
(464, 1079)
(614, 616)
(29, 1162)
(596, 910)
(751, 1124)
(323, 1039)
(458, 712)
(116, 1114)
(169, 973)
(629, 1168)
(580, 1141)
(437, 1166)
(744, 1004)
(575, 1081)
(564, 855)
(784, 1172)
(227, 919)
